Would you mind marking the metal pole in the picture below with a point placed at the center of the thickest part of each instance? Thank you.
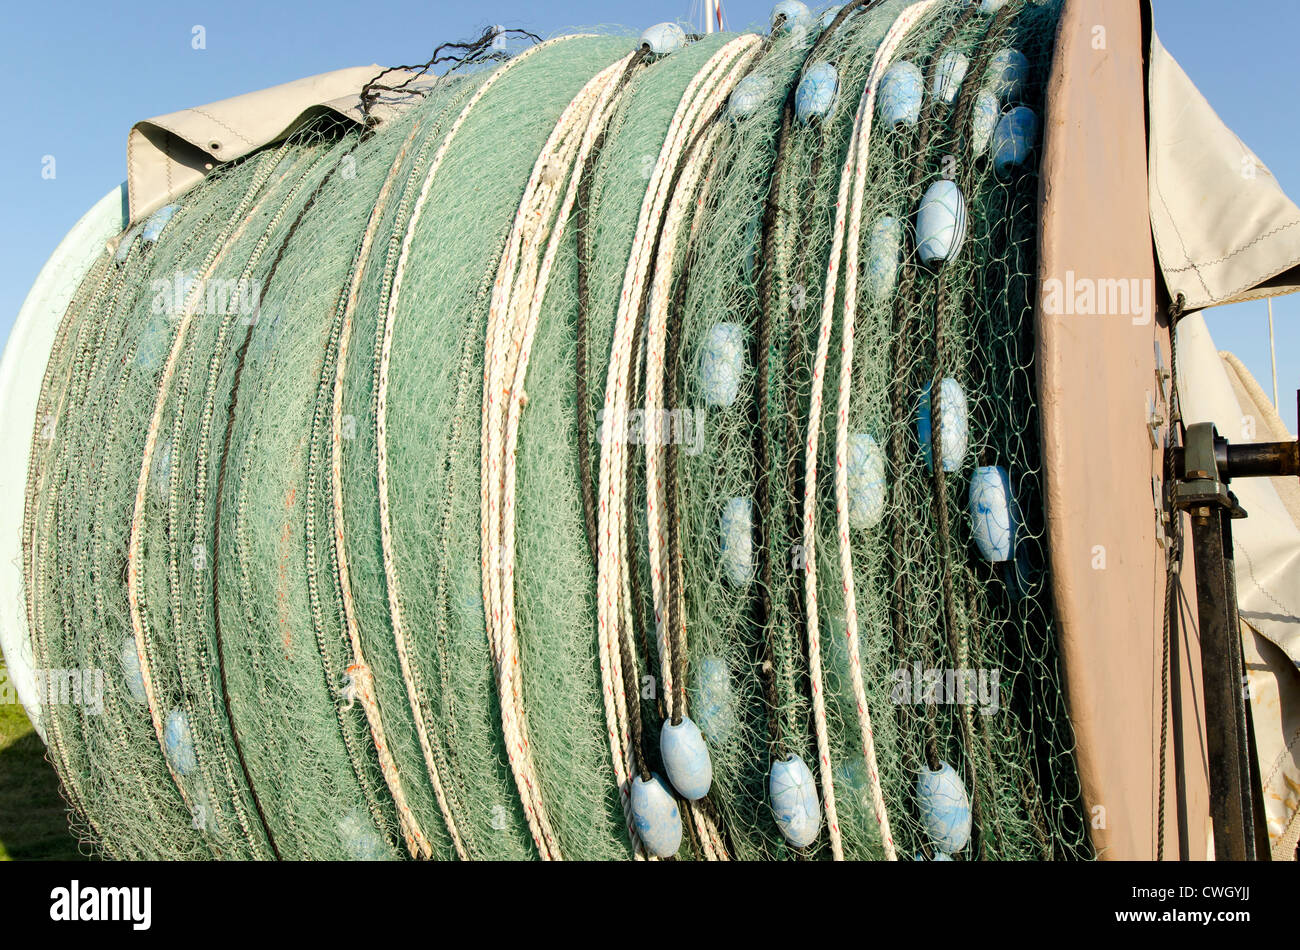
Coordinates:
(708, 28)
(1224, 704)
(1272, 352)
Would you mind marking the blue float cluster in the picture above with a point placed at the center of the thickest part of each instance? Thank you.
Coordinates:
(153, 227)
(1007, 132)
(130, 661)
(795, 805)
(815, 96)
(657, 818)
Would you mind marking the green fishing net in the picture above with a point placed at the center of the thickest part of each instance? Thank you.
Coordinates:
(252, 738)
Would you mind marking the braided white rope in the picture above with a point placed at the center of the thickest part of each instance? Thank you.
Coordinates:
(497, 366)
(703, 95)
(381, 441)
(687, 194)
(512, 319)
(855, 169)
(690, 191)
(190, 686)
(655, 343)
(612, 569)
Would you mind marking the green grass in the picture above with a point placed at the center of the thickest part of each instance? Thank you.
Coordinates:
(33, 818)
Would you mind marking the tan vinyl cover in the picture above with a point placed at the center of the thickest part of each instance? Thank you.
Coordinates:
(1096, 373)
(1224, 229)
(168, 155)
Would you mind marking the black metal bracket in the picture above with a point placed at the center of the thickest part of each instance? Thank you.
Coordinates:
(1202, 467)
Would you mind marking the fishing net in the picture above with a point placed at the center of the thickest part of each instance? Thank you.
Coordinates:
(404, 482)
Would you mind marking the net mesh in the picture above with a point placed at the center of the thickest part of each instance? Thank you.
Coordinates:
(253, 508)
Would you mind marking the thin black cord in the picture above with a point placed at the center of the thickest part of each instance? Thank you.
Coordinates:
(771, 310)
(472, 52)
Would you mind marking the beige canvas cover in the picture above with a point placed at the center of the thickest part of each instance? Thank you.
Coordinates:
(169, 154)
(1217, 388)
(1224, 232)
(1224, 229)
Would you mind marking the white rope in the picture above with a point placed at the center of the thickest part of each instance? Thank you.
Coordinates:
(381, 443)
(382, 451)
(703, 95)
(655, 439)
(855, 169)
(361, 680)
(688, 193)
(512, 323)
(230, 233)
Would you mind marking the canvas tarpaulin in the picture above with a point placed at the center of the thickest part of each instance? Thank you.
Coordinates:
(1266, 545)
(168, 155)
(1224, 230)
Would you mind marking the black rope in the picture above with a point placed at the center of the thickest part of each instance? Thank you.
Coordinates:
(905, 308)
(963, 113)
(1173, 559)
(472, 52)
(766, 534)
(632, 691)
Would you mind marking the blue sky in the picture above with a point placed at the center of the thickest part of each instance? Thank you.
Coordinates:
(80, 74)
